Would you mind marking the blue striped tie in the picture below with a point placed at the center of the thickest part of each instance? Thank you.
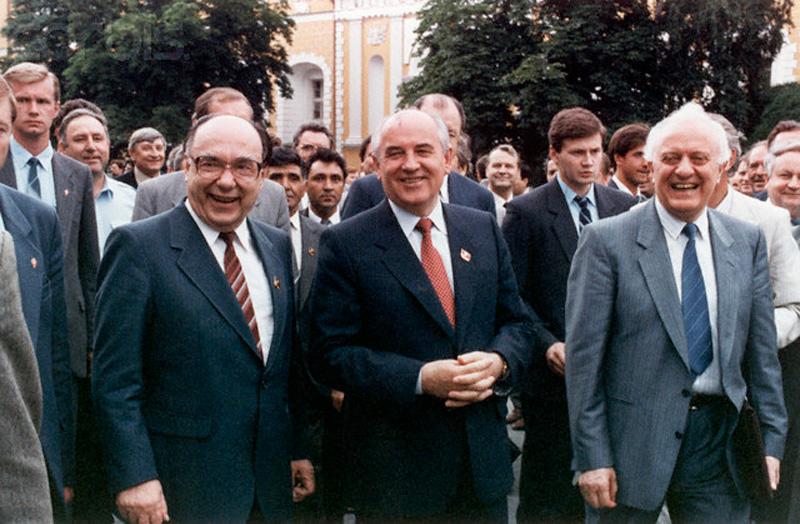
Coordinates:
(584, 217)
(34, 188)
(694, 306)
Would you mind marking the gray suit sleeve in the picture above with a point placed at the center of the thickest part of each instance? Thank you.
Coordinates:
(590, 310)
(145, 203)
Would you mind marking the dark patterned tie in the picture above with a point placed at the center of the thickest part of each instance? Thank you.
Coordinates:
(585, 218)
(34, 188)
(434, 267)
(235, 276)
(694, 306)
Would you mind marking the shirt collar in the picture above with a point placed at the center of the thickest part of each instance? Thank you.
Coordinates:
(22, 155)
(570, 195)
(294, 220)
(443, 191)
(725, 205)
(622, 187)
(674, 226)
(408, 221)
(211, 235)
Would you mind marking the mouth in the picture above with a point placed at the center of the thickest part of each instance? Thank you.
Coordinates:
(684, 187)
(412, 180)
(223, 199)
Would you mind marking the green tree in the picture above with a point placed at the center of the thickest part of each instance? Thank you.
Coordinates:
(39, 32)
(782, 103)
(468, 50)
(145, 61)
(720, 52)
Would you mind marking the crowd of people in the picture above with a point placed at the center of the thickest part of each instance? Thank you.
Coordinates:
(236, 330)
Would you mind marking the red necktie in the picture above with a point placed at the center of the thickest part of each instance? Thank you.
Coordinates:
(235, 276)
(434, 267)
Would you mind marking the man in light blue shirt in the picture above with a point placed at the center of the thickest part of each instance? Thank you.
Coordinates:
(84, 137)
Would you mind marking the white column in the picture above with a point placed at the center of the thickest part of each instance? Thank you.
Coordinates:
(354, 99)
(395, 60)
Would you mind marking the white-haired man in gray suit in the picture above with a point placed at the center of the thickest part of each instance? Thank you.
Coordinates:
(666, 305)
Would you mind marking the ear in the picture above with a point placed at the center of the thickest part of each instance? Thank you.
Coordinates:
(552, 154)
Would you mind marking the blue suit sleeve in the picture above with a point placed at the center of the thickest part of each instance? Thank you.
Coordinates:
(123, 311)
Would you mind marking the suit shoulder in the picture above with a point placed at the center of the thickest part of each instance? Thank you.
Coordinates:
(31, 207)
(736, 227)
(310, 225)
(468, 214)
(65, 162)
(618, 198)
(760, 211)
(273, 233)
(532, 201)
(160, 182)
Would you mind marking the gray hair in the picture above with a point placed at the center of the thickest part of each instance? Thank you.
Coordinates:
(441, 130)
(690, 114)
(145, 134)
(75, 114)
(733, 135)
(777, 150)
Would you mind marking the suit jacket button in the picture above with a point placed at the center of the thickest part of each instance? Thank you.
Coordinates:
(678, 435)
(264, 383)
(686, 393)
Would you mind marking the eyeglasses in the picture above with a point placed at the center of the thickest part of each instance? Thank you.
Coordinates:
(212, 167)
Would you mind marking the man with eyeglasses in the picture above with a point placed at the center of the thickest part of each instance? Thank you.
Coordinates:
(195, 333)
(311, 137)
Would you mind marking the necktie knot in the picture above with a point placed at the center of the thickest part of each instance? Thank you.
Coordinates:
(583, 202)
(424, 226)
(228, 237)
(690, 230)
(33, 162)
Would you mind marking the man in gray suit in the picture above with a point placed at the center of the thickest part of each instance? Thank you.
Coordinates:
(163, 193)
(24, 495)
(657, 338)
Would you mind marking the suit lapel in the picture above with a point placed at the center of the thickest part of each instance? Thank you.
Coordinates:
(563, 226)
(7, 175)
(278, 280)
(198, 263)
(464, 281)
(309, 239)
(400, 260)
(727, 295)
(657, 269)
(30, 261)
(66, 196)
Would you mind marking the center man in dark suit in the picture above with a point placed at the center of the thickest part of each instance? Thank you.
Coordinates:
(195, 334)
(542, 230)
(669, 329)
(416, 318)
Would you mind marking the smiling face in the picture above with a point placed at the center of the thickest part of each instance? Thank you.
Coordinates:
(686, 169)
(412, 162)
(290, 177)
(223, 202)
(502, 171)
(86, 141)
(632, 167)
(149, 156)
(784, 184)
(757, 169)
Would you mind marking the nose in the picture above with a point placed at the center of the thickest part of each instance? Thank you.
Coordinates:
(226, 179)
(684, 167)
(794, 183)
(410, 163)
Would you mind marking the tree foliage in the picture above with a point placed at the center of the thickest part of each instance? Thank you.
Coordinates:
(782, 103)
(626, 60)
(145, 61)
(39, 31)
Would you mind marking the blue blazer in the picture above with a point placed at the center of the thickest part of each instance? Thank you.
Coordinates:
(367, 192)
(37, 245)
(376, 320)
(180, 393)
(628, 376)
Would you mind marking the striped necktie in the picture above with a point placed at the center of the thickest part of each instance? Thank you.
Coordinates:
(434, 268)
(235, 276)
(585, 218)
(34, 187)
(694, 306)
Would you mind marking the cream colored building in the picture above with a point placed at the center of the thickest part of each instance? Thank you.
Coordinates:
(348, 58)
(786, 67)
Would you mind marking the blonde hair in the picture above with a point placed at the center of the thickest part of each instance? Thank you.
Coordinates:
(28, 73)
(7, 94)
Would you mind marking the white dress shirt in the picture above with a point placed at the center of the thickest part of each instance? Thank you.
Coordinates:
(408, 223)
(574, 208)
(47, 184)
(499, 206)
(335, 218)
(710, 381)
(297, 240)
(253, 270)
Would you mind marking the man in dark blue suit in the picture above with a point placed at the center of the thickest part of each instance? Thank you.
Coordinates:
(195, 334)
(367, 192)
(37, 245)
(542, 230)
(416, 317)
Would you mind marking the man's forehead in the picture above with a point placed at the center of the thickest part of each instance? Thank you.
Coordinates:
(288, 168)
(788, 161)
(685, 138)
(84, 124)
(325, 168)
(314, 136)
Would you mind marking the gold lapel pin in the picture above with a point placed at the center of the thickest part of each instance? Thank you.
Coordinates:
(466, 256)
(276, 282)
(66, 192)
(34, 262)
(312, 252)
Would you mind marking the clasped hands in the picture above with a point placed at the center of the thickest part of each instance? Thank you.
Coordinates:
(463, 381)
